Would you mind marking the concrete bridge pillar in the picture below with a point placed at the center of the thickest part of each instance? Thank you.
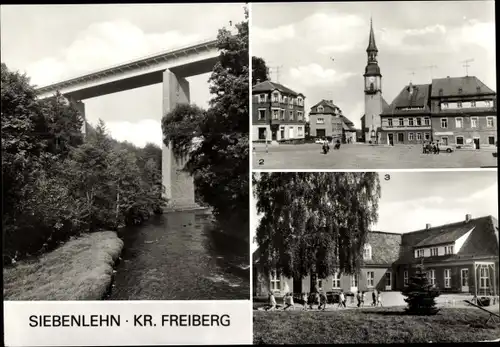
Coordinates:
(80, 107)
(179, 185)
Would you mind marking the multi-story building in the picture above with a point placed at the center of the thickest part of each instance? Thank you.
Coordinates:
(277, 113)
(458, 257)
(463, 112)
(407, 120)
(326, 120)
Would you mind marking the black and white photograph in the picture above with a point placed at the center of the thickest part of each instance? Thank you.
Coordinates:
(125, 156)
(375, 257)
(374, 85)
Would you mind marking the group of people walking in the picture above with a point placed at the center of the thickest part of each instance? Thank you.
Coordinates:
(320, 299)
(430, 147)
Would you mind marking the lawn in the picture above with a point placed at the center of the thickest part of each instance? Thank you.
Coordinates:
(372, 325)
(80, 269)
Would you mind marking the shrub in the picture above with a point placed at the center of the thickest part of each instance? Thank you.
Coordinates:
(420, 294)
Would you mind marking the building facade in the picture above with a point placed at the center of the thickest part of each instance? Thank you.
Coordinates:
(407, 120)
(463, 112)
(460, 257)
(277, 113)
(326, 120)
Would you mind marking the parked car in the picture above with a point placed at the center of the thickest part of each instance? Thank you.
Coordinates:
(447, 148)
(320, 141)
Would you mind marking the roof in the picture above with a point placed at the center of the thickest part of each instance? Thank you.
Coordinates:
(412, 95)
(268, 86)
(371, 40)
(347, 124)
(449, 86)
(328, 105)
(385, 247)
(385, 106)
(481, 242)
(372, 69)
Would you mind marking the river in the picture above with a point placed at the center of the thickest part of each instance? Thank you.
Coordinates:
(180, 256)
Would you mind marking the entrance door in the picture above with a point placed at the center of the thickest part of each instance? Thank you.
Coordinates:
(388, 280)
(391, 139)
(273, 136)
(476, 143)
(401, 137)
(464, 280)
(282, 133)
(297, 285)
(290, 133)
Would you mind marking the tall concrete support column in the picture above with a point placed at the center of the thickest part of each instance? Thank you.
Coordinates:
(179, 185)
(80, 107)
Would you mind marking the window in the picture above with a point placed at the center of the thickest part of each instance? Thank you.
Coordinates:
(405, 277)
(447, 278)
(284, 99)
(369, 278)
(354, 281)
(434, 251)
(410, 122)
(489, 122)
(275, 281)
(410, 136)
(388, 280)
(478, 89)
(484, 277)
(290, 115)
(444, 105)
(431, 275)
(299, 101)
(472, 104)
(459, 140)
(427, 136)
(459, 104)
(282, 114)
(473, 122)
(372, 88)
(320, 121)
(262, 114)
(401, 122)
(420, 253)
(444, 123)
(320, 109)
(419, 121)
(300, 131)
(275, 114)
(262, 98)
(427, 121)
(448, 250)
(491, 140)
(389, 122)
(367, 252)
(262, 133)
(459, 122)
(299, 115)
(419, 136)
(336, 280)
(487, 103)
(276, 97)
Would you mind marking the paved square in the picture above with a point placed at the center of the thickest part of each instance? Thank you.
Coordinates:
(363, 156)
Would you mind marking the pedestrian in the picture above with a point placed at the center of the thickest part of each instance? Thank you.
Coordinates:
(358, 297)
(379, 299)
(363, 298)
(304, 301)
(423, 147)
(437, 147)
(342, 298)
(288, 301)
(374, 297)
(272, 302)
(322, 301)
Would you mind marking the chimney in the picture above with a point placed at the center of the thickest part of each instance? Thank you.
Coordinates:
(258, 80)
(427, 226)
(468, 217)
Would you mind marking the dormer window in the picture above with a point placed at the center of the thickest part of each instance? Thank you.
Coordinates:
(441, 92)
(448, 250)
(420, 253)
(459, 90)
(478, 89)
(472, 104)
(276, 97)
(367, 252)
(299, 101)
(459, 104)
(434, 252)
(320, 109)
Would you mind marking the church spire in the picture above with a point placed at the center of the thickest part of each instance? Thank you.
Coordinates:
(372, 47)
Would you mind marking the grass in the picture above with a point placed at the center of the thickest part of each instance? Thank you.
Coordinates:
(80, 269)
(375, 325)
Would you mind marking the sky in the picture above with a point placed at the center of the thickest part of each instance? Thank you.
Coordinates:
(299, 41)
(52, 43)
(410, 200)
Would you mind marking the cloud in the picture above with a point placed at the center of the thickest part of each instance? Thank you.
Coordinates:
(314, 74)
(104, 44)
(139, 133)
(343, 48)
(272, 35)
(485, 195)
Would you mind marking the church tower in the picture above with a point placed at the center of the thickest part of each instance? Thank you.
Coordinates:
(373, 91)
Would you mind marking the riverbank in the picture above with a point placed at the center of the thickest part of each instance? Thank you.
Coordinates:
(80, 269)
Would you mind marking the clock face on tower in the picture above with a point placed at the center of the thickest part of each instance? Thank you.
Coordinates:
(371, 78)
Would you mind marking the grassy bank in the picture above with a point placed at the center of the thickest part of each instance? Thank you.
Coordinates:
(380, 325)
(80, 269)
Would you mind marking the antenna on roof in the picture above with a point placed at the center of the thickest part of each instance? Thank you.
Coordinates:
(466, 65)
(431, 67)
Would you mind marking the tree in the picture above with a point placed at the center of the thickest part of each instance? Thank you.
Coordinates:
(260, 71)
(314, 222)
(219, 163)
(420, 294)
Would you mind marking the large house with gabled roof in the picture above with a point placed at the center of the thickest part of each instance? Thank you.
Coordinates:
(459, 257)
(277, 113)
(327, 121)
